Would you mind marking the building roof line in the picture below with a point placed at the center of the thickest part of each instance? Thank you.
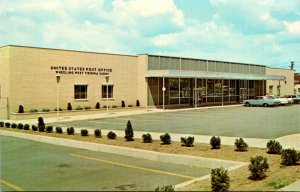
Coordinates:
(56, 49)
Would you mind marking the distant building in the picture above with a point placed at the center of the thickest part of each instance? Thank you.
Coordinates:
(28, 78)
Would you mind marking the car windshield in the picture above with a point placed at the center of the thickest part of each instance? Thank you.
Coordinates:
(276, 97)
(270, 97)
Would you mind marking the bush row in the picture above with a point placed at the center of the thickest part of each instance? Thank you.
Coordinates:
(288, 156)
(69, 107)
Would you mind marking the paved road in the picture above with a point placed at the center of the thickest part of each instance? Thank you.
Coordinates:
(249, 122)
(30, 165)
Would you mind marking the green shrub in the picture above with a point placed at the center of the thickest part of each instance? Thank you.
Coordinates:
(274, 147)
(60, 109)
(289, 157)
(187, 141)
(46, 109)
(165, 138)
(240, 145)
(26, 127)
(7, 125)
(20, 126)
(34, 110)
(215, 142)
(69, 107)
(34, 127)
(114, 106)
(21, 109)
(13, 125)
(70, 130)
(84, 132)
(123, 103)
(277, 184)
(58, 130)
(258, 166)
(1, 124)
(129, 132)
(97, 105)
(130, 106)
(111, 135)
(78, 108)
(49, 129)
(97, 133)
(137, 103)
(41, 124)
(167, 188)
(106, 106)
(220, 180)
(147, 138)
(87, 107)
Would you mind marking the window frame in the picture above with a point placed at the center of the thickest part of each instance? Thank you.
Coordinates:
(81, 93)
(110, 96)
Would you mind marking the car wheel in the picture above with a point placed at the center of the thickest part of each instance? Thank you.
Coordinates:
(247, 104)
(265, 105)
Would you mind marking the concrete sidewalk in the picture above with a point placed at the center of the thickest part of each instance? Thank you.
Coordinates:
(116, 113)
(292, 187)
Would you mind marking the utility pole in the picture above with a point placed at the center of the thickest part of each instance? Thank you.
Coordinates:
(292, 65)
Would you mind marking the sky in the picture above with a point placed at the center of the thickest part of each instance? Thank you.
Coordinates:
(263, 32)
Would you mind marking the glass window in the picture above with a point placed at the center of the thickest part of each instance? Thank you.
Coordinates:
(110, 89)
(174, 88)
(80, 91)
(271, 89)
(185, 88)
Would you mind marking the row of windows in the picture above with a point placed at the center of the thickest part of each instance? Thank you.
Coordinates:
(80, 91)
(169, 63)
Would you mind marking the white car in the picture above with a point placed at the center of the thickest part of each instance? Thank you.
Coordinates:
(262, 101)
(284, 100)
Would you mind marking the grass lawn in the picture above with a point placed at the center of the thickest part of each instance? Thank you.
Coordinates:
(277, 176)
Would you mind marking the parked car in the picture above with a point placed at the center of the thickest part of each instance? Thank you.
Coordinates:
(295, 97)
(284, 100)
(262, 101)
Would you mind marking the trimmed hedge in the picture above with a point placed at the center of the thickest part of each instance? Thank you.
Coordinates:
(240, 145)
(46, 110)
(123, 103)
(41, 124)
(97, 133)
(137, 103)
(289, 157)
(129, 132)
(187, 141)
(258, 166)
(215, 142)
(220, 180)
(165, 138)
(7, 125)
(97, 105)
(1, 124)
(111, 135)
(13, 125)
(26, 127)
(59, 130)
(33, 111)
(20, 126)
(79, 108)
(34, 127)
(49, 129)
(70, 131)
(147, 138)
(84, 132)
(69, 107)
(274, 147)
(21, 109)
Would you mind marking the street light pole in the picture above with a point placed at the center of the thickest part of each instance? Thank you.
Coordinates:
(57, 96)
(107, 79)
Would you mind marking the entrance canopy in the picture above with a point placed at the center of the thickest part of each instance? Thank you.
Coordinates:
(210, 75)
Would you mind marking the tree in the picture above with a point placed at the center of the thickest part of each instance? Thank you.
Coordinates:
(129, 132)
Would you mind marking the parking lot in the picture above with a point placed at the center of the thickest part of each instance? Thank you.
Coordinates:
(29, 165)
(250, 122)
